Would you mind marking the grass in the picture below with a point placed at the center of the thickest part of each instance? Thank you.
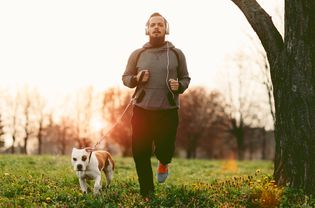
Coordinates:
(49, 181)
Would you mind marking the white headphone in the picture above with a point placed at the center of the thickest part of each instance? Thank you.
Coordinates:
(167, 28)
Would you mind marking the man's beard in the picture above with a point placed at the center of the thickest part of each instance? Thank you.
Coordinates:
(157, 41)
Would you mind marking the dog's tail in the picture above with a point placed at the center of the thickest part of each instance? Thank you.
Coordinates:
(111, 161)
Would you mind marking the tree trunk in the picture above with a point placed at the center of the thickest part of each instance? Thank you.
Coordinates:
(12, 147)
(191, 147)
(126, 152)
(24, 149)
(63, 148)
(292, 67)
(264, 145)
(240, 144)
(40, 144)
(188, 153)
(295, 99)
(237, 130)
(40, 137)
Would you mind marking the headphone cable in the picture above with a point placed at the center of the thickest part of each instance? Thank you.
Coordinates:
(168, 69)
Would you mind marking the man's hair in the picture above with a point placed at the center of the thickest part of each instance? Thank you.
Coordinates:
(156, 14)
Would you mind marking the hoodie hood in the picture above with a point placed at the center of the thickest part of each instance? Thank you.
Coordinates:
(164, 46)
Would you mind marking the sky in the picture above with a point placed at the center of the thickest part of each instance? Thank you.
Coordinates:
(61, 46)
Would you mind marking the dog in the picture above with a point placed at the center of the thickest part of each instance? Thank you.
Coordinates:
(89, 164)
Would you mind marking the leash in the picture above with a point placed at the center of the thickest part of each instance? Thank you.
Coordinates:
(132, 100)
(115, 124)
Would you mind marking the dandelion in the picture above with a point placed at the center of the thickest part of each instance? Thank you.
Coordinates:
(257, 171)
(48, 199)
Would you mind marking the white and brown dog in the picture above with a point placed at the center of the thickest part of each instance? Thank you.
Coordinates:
(89, 164)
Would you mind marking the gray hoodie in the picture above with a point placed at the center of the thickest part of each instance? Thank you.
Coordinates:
(164, 63)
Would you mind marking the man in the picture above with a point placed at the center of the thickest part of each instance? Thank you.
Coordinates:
(159, 72)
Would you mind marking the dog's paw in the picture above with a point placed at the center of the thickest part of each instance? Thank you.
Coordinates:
(96, 193)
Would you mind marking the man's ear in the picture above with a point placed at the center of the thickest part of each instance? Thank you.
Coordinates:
(89, 149)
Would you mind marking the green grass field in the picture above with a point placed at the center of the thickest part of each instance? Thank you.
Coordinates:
(49, 181)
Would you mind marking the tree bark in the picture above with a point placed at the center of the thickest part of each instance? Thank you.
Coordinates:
(292, 68)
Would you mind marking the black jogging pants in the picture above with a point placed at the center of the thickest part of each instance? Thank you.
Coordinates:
(152, 130)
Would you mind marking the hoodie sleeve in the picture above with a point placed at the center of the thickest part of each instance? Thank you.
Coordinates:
(183, 75)
(129, 77)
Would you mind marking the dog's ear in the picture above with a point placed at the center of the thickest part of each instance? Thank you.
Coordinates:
(89, 149)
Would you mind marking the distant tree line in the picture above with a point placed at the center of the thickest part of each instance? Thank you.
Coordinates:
(206, 127)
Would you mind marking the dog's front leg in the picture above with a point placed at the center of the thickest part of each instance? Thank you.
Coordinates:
(83, 185)
(97, 184)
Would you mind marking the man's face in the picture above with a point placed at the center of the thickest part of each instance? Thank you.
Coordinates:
(156, 27)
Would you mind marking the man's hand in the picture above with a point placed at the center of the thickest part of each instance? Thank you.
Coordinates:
(145, 76)
(174, 85)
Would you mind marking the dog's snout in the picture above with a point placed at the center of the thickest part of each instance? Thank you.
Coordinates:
(79, 167)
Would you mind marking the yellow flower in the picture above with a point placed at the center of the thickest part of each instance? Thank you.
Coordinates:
(48, 199)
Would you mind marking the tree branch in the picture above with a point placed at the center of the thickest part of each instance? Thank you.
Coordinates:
(262, 24)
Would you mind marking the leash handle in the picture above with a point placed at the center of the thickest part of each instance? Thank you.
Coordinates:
(138, 84)
(129, 104)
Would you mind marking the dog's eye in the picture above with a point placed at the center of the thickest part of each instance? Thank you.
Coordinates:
(74, 159)
(84, 158)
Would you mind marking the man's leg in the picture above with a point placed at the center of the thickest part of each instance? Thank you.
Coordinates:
(166, 135)
(165, 142)
(142, 150)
